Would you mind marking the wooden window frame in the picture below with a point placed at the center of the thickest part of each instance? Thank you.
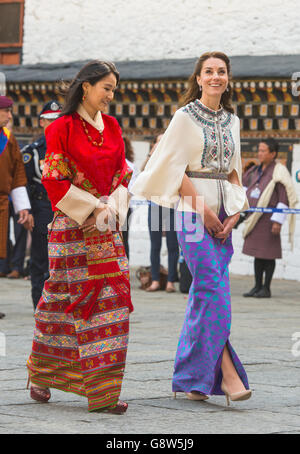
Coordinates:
(20, 43)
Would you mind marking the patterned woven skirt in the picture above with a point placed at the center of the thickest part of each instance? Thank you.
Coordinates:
(85, 357)
(206, 327)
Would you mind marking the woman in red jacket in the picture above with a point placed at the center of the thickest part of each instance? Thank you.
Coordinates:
(82, 319)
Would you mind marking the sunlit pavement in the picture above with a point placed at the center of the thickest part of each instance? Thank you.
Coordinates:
(265, 333)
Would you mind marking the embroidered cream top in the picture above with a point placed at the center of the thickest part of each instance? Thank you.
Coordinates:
(197, 139)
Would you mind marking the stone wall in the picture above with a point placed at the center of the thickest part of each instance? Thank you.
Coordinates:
(56, 31)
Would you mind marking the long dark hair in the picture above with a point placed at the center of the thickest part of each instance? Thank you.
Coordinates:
(92, 72)
(129, 153)
(192, 92)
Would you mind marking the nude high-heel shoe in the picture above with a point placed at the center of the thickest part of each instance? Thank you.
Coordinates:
(194, 396)
(242, 395)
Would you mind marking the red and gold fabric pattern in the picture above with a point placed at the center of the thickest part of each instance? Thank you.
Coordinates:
(82, 319)
(86, 357)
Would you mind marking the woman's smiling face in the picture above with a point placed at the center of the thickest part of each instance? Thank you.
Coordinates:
(213, 78)
(99, 96)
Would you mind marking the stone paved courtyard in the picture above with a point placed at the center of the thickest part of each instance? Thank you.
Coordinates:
(262, 334)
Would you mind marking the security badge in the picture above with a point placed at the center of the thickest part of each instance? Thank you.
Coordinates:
(26, 157)
(54, 107)
(255, 193)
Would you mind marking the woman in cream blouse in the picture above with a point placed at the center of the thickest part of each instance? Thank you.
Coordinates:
(197, 167)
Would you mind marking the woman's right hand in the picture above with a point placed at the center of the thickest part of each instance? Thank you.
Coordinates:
(211, 221)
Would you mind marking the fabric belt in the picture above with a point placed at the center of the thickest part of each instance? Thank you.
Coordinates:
(208, 175)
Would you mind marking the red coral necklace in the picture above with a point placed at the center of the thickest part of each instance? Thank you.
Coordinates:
(88, 135)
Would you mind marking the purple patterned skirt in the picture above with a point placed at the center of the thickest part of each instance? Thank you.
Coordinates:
(206, 327)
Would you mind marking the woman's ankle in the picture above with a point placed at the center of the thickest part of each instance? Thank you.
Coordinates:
(233, 383)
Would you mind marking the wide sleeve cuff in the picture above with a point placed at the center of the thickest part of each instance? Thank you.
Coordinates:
(20, 199)
(77, 204)
(163, 174)
(279, 217)
(235, 200)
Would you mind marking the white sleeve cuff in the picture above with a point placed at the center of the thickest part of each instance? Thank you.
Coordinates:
(78, 204)
(20, 199)
(279, 217)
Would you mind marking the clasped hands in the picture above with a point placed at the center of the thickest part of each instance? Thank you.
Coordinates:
(104, 218)
(216, 228)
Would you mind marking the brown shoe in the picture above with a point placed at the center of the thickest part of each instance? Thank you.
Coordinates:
(14, 275)
(3, 275)
(40, 394)
(119, 409)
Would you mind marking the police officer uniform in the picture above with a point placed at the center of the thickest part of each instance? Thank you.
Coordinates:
(33, 158)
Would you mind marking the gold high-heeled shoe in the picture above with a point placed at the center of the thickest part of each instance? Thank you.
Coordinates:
(242, 395)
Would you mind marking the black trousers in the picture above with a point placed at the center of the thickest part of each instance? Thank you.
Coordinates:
(39, 264)
(262, 266)
(39, 261)
(160, 219)
(15, 254)
(125, 233)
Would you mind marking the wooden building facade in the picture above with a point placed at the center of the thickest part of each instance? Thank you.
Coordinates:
(265, 97)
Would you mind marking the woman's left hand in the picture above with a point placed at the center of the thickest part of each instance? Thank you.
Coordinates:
(89, 225)
(276, 228)
(228, 223)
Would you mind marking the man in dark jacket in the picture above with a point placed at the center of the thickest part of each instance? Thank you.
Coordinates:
(33, 158)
